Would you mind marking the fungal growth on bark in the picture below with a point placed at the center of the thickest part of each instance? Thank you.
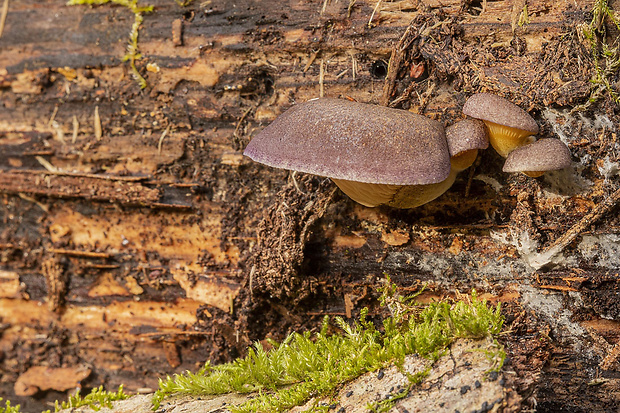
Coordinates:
(539, 157)
(376, 155)
(509, 126)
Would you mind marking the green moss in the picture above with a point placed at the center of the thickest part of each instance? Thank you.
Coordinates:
(605, 53)
(524, 18)
(8, 408)
(96, 399)
(306, 366)
(133, 53)
(386, 404)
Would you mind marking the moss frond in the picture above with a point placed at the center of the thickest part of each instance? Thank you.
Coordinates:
(133, 52)
(306, 366)
(96, 399)
(605, 54)
(8, 408)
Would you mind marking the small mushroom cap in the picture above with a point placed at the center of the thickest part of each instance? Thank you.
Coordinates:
(466, 135)
(355, 142)
(542, 155)
(493, 108)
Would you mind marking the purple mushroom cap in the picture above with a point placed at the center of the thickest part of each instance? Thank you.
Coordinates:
(466, 135)
(355, 142)
(542, 155)
(496, 109)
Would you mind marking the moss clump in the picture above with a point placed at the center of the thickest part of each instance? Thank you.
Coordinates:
(133, 53)
(306, 366)
(96, 399)
(8, 408)
(606, 53)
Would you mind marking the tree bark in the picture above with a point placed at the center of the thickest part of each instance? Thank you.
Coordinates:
(137, 241)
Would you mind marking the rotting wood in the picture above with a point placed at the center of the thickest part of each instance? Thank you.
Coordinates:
(177, 212)
(602, 208)
(67, 186)
(46, 378)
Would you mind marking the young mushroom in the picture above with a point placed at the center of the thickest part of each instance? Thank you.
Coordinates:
(376, 155)
(465, 138)
(509, 126)
(539, 157)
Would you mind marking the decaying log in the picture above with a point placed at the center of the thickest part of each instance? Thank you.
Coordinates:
(137, 241)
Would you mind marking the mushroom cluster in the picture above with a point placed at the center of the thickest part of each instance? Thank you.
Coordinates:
(511, 133)
(383, 156)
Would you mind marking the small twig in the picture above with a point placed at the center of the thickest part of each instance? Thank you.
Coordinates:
(297, 187)
(98, 130)
(251, 282)
(597, 212)
(78, 253)
(161, 139)
(405, 95)
(321, 78)
(53, 117)
(101, 266)
(311, 60)
(46, 164)
(76, 129)
(3, 14)
(245, 114)
(34, 201)
(344, 72)
(557, 287)
(425, 96)
(398, 54)
(325, 2)
(350, 8)
(373, 14)
(470, 176)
